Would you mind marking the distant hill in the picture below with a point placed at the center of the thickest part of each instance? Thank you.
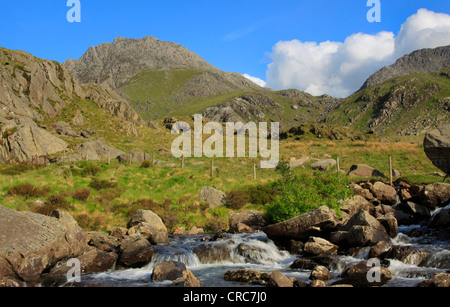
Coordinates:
(409, 105)
(420, 61)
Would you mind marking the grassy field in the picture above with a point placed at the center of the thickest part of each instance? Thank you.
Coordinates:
(101, 195)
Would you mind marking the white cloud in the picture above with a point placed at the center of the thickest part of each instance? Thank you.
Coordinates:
(340, 68)
(256, 80)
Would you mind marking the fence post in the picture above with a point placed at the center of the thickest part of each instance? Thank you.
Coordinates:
(182, 162)
(337, 164)
(390, 170)
(254, 171)
(212, 168)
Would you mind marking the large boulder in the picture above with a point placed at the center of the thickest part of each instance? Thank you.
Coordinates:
(358, 276)
(318, 221)
(362, 229)
(323, 165)
(250, 218)
(213, 197)
(319, 247)
(149, 217)
(253, 277)
(437, 147)
(31, 244)
(436, 195)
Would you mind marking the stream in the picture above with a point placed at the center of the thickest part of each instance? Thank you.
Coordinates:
(255, 251)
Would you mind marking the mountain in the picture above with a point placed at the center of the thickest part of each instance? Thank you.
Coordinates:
(163, 79)
(408, 105)
(420, 61)
(157, 77)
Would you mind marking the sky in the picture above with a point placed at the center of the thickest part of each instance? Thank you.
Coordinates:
(319, 46)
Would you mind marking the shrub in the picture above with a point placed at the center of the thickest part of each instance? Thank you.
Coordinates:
(98, 184)
(16, 169)
(90, 222)
(54, 202)
(263, 194)
(237, 199)
(81, 194)
(300, 194)
(90, 170)
(146, 164)
(27, 190)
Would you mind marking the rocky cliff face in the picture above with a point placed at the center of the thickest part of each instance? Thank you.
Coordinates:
(35, 91)
(420, 61)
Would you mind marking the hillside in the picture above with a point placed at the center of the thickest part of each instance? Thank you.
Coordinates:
(410, 105)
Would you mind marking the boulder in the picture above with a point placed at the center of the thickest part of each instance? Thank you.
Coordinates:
(32, 243)
(436, 195)
(323, 165)
(64, 129)
(441, 219)
(352, 206)
(357, 276)
(78, 119)
(293, 163)
(318, 221)
(102, 241)
(279, 280)
(441, 280)
(408, 255)
(135, 251)
(148, 217)
(92, 151)
(169, 270)
(252, 277)
(213, 253)
(151, 233)
(384, 193)
(362, 229)
(319, 247)
(93, 261)
(187, 281)
(28, 142)
(437, 147)
(304, 264)
(213, 197)
(320, 273)
(364, 171)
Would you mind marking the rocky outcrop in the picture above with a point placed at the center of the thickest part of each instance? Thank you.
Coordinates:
(32, 243)
(91, 151)
(420, 61)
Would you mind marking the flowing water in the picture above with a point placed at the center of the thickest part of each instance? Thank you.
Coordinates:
(255, 251)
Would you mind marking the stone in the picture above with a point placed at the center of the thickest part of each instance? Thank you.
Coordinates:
(279, 280)
(78, 119)
(31, 243)
(169, 270)
(323, 165)
(187, 281)
(441, 219)
(357, 276)
(318, 221)
(151, 233)
(364, 171)
(102, 241)
(319, 247)
(247, 276)
(213, 197)
(213, 253)
(320, 273)
(135, 251)
(436, 195)
(389, 223)
(149, 217)
(380, 250)
(362, 229)
(293, 163)
(384, 193)
(441, 280)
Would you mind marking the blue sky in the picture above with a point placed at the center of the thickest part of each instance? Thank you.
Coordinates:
(233, 35)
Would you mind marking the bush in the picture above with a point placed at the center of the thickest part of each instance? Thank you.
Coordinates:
(54, 202)
(237, 199)
(16, 169)
(301, 194)
(98, 184)
(27, 190)
(146, 164)
(81, 194)
(263, 194)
